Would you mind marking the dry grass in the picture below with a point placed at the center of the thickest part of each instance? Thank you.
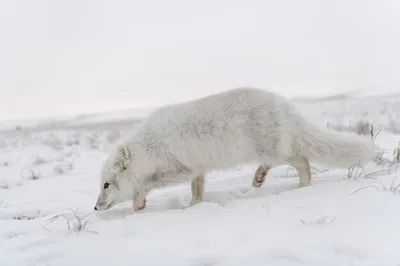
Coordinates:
(392, 163)
(76, 222)
(21, 216)
(360, 127)
(380, 159)
(357, 171)
(392, 187)
(53, 141)
(396, 154)
(364, 128)
(63, 168)
(39, 161)
(320, 221)
(5, 184)
(374, 134)
(94, 141)
(30, 175)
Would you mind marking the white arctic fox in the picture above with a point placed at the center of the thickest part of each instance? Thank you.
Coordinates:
(182, 142)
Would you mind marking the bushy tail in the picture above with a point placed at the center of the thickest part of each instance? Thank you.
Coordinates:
(336, 149)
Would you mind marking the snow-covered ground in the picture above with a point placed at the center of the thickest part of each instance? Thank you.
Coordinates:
(49, 179)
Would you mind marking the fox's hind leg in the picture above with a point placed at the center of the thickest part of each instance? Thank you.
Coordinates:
(302, 167)
(197, 186)
(260, 174)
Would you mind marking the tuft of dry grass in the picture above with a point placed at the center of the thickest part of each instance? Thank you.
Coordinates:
(380, 159)
(392, 187)
(30, 175)
(320, 221)
(94, 141)
(63, 168)
(76, 222)
(21, 216)
(396, 154)
(357, 171)
(53, 141)
(73, 142)
(361, 127)
(374, 134)
(392, 164)
(5, 184)
(39, 161)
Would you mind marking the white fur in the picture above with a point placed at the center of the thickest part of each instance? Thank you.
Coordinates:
(182, 142)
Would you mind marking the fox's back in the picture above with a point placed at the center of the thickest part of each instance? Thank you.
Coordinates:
(222, 110)
(223, 126)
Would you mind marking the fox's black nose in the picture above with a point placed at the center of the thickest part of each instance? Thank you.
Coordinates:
(95, 208)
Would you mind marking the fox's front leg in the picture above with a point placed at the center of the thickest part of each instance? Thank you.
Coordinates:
(139, 199)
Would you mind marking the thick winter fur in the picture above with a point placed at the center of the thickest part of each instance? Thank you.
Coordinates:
(183, 142)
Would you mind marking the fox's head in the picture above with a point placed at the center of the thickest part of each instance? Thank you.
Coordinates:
(115, 184)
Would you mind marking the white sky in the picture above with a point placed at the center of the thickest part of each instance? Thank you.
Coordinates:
(66, 57)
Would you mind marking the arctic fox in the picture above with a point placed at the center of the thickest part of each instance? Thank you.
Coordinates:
(183, 142)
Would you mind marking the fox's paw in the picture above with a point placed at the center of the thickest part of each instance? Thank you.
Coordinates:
(140, 205)
(259, 178)
(258, 181)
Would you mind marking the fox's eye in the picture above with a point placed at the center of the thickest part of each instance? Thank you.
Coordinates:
(106, 185)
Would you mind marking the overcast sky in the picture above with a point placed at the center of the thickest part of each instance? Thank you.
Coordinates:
(66, 57)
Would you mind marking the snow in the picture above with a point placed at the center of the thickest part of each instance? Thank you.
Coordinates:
(123, 116)
(335, 221)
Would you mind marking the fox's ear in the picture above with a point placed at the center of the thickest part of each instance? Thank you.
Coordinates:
(124, 152)
(123, 156)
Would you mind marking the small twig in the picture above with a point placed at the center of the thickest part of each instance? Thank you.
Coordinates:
(371, 186)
